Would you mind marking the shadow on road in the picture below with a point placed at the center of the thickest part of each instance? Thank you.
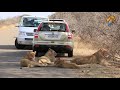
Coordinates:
(7, 47)
(9, 53)
(13, 53)
(12, 56)
(13, 47)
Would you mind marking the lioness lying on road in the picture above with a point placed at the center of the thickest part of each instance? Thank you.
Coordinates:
(98, 57)
(48, 58)
(65, 64)
(29, 60)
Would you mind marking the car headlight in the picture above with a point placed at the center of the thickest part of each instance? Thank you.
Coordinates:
(22, 33)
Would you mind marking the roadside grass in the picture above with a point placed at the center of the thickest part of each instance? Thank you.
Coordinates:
(82, 48)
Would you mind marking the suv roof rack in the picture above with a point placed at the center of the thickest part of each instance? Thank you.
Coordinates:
(57, 20)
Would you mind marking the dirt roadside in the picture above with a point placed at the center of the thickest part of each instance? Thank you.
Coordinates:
(10, 56)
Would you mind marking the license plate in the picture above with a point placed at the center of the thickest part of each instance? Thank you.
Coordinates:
(52, 36)
(28, 38)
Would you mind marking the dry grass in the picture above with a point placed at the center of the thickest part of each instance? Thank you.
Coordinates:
(82, 48)
(7, 27)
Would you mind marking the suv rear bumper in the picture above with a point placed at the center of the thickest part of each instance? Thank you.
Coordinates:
(56, 48)
(25, 40)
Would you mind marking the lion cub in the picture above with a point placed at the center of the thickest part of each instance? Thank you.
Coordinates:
(48, 58)
(29, 60)
(98, 57)
(65, 64)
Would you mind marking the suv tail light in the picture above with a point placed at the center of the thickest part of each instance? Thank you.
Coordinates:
(67, 28)
(36, 36)
(36, 45)
(36, 31)
(68, 46)
(70, 36)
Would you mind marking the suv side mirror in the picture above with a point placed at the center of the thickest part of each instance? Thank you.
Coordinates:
(73, 31)
(35, 30)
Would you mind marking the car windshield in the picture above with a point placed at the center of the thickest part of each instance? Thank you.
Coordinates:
(33, 21)
(53, 27)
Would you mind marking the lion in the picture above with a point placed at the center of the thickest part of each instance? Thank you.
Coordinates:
(29, 60)
(98, 57)
(30, 55)
(48, 58)
(65, 64)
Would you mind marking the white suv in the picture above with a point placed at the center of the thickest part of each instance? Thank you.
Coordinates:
(26, 30)
(54, 34)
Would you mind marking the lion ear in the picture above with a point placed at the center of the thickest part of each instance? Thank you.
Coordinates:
(50, 49)
(35, 52)
(55, 53)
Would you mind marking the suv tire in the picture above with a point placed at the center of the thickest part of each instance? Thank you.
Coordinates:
(70, 54)
(18, 46)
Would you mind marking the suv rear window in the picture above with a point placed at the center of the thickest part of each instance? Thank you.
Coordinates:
(53, 27)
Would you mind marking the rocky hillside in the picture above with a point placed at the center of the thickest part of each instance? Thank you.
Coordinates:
(92, 28)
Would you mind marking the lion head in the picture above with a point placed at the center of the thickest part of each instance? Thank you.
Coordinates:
(103, 53)
(31, 55)
(51, 54)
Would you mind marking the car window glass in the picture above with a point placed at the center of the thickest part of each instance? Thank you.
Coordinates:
(53, 27)
(32, 21)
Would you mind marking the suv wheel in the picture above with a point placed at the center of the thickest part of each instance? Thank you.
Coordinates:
(18, 46)
(70, 54)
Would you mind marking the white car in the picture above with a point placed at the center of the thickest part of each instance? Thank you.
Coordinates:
(26, 30)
